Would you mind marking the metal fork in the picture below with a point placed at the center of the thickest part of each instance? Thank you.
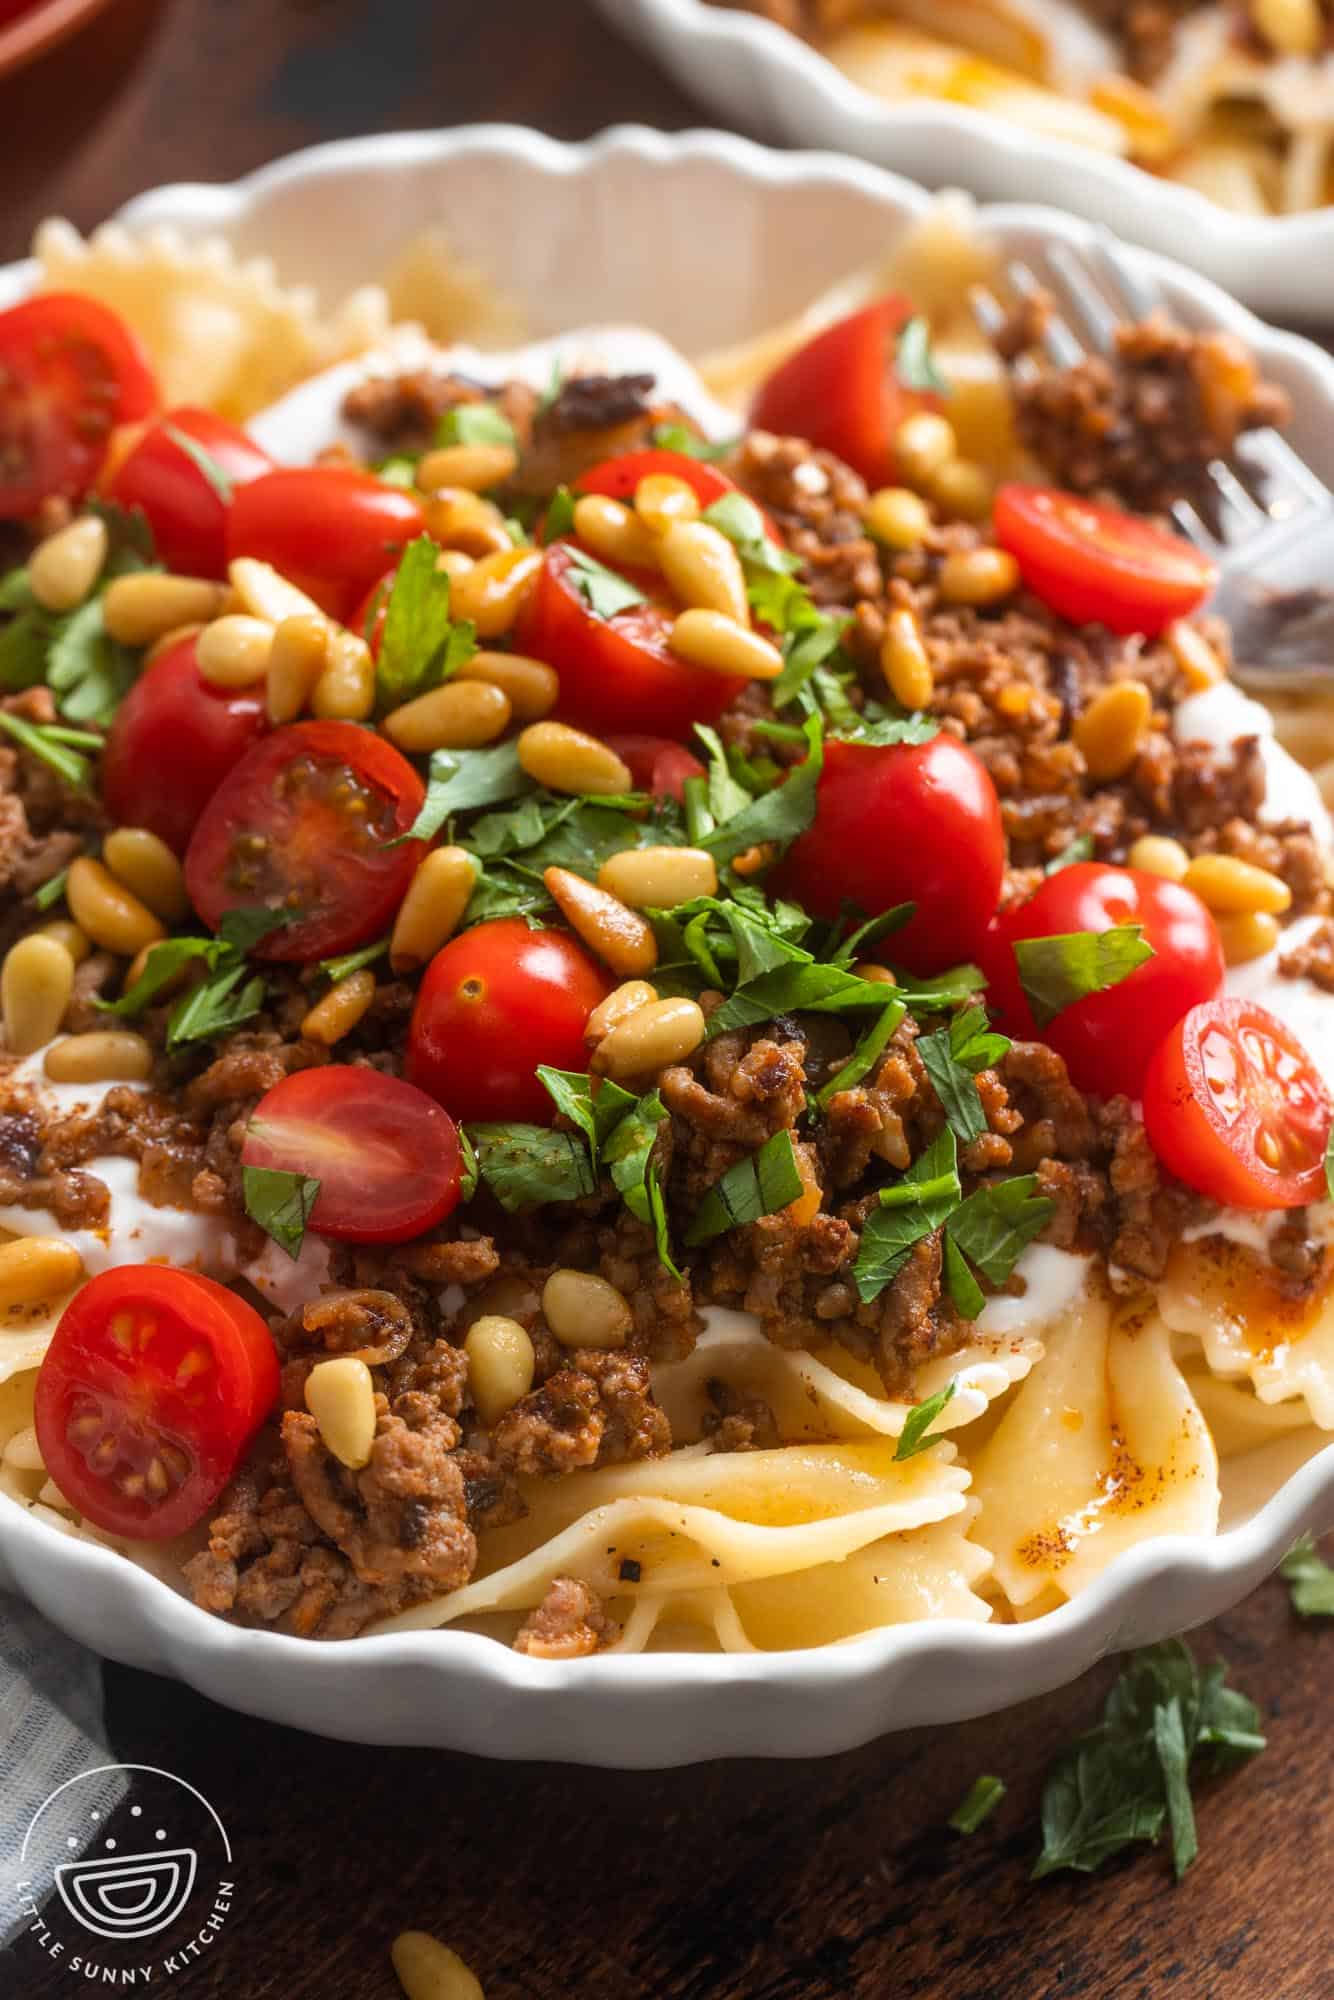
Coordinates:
(1270, 524)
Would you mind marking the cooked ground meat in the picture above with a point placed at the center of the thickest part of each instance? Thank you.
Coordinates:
(816, 500)
(597, 1411)
(1313, 959)
(570, 1623)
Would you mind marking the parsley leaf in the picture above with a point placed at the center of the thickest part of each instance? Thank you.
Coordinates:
(337, 969)
(802, 986)
(891, 729)
(161, 966)
(51, 891)
(463, 780)
(969, 1298)
(980, 1801)
(780, 815)
(675, 437)
(475, 423)
(952, 1058)
(997, 1223)
(726, 798)
(909, 1214)
(1309, 1578)
(215, 475)
(1055, 972)
(281, 1203)
(420, 645)
(736, 516)
(759, 1185)
(629, 1155)
(560, 515)
(528, 1165)
(51, 745)
(468, 1160)
(217, 1006)
(913, 1437)
(913, 361)
(595, 1112)
(1079, 849)
(603, 591)
(864, 1057)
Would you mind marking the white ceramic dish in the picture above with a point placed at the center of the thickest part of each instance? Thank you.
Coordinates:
(564, 228)
(750, 72)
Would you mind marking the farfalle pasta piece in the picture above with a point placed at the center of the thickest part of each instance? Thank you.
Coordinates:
(1232, 1300)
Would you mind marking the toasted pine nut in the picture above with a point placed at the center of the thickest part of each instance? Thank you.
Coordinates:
(1199, 663)
(666, 1031)
(36, 982)
(345, 691)
(978, 576)
(618, 1006)
(429, 1970)
(149, 870)
(904, 661)
(477, 467)
(583, 1310)
(1291, 27)
(877, 974)
(454, 563)
(340, 1395)
(962, 488)
(457, 716)
(500, 1364)
(36, 1268)
(1156, 854)
(138, 609)
(492, 592)
(657, 878)
(752, 859)
(63, 569)
(531, 686)
(68, 934)
(619, 936)
(661, 499)
(1112, 728)
(169, 640)
(105, 910)
(898, 517)
(233, 652)
(341, 1008)
(614, 532)
(704, 570)
(566, 760)
(923, 443)
(431, 911)
(298, 656)
(459, 519)
(1236, 888)
(265, 592)
(1247, 936)
(110, 1055)
(712, 640)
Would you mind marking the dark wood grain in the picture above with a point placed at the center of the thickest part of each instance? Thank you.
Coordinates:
(744, 1881)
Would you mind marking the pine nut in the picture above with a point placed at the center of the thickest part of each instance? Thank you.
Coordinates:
(459, 519)
(1291, 27)
(531, 687)
(898, 517)
(338, 1013)
(923, 443)
(265, 592)
(34, 1269)
(583, 1310)
(477, 467)
(233, 652)
(340, 1395)
(661, 500)
(751, 860)
(1157, 855)
(1113, 726)
(36, 982)
(962, 489)
(345, 691)
(904, 661)
(1236, 888)
(658, 878)
(620, 937)
(705, 570)
(493, 591)
(879, 975)
(111, 1055)
(68, 934)
(714, 641)
(433, 908)
(170, 640)
(1199, 664)
(138, 609)
(565, 760)
(149, 870)
(618, 1006)
(500, 1364)
(1247, 936)
(651, 1038)
(978, 576)
(614, 533)
(458, 716)
(297, 658)
(106, 911)
(429, 1970)
(63, 569)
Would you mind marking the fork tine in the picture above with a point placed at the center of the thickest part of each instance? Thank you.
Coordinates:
(1123, 281)
(990, 315)
(1099, 320)
(1061, 346)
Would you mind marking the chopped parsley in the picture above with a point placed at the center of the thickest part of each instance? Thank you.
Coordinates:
(1056, 972)
(736, 516)
(1309, 1578)
(56, 747)
(916, 1207)
(475, 423)
(215, 474)
(462, 781)
(559, 516)
(595, 1105)
(629, 1154)
(990, 1230)
(420, 645)
(978, 1803)
(759, 1185)
(71, 652)
(914, 363)
(51, 891)
(353, 961)
(603, 591)
(526, 1166)
(228, 996)
(869, 1049)
(280, 1202)
(778, 816)
(1079, 849)
(952, 1057)
(675, 437)
(915, 1435)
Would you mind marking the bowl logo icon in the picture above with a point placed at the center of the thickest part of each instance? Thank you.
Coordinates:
(133, 1896)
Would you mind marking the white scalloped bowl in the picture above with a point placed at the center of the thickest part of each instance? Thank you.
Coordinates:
(693, 236)
(750, 72)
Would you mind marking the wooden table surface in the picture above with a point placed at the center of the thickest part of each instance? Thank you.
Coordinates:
(742, 1881)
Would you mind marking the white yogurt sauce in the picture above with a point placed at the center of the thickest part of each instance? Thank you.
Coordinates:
(1053, 1281)
(1218, 716)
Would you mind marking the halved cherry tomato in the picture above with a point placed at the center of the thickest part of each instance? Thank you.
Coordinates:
(174, 739)
(1108, 1038)
(330, 529)
(150, 469)
(307, 822)
(385, 1154)
(376, 601)
(619, 478)
(841, 390)
(657, 764)
(1096, 566)
(495, 1003)
(152, 1388)
(903, 823)
(1234, 1107)
(615, 673)
(70, 371)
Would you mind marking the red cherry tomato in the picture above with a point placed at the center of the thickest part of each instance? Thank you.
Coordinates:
(842, 391)
(615, 673)
(306, 822)
(657, 764)
(150, 469)
(385, 1154)
(904, 823)
(1234, 1107)
(174, 739)
(1094, 565)
(495, 1003)
(619, 479)
(70, 371)
(152, 1388)
(1107, 1039)
(330, 529)
(367, 620)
